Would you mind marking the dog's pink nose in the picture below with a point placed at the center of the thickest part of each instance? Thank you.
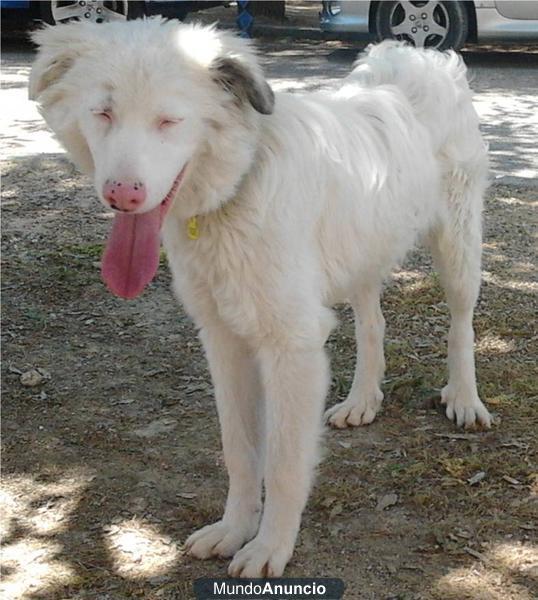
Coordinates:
(123, 195)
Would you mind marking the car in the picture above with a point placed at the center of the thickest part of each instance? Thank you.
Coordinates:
(439, 24)
(100, 12)
(58, 12)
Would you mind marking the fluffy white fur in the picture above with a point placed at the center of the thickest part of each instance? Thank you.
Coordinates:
(310, 205)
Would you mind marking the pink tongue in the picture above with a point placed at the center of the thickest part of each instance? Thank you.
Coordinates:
(131, 255)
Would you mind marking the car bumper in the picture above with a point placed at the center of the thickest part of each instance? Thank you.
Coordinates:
(355, 22)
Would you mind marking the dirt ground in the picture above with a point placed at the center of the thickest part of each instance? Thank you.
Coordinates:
(113, 457)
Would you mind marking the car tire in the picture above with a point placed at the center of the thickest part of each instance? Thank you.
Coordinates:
(98, 12)
(439, 24)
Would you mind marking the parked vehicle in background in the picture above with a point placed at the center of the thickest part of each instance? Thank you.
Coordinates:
(59, 12)
(99, 12)
(437, 24)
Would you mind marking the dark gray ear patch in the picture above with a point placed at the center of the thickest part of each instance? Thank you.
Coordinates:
(239, 81)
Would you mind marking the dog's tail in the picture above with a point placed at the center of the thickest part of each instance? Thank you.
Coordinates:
(435, 84)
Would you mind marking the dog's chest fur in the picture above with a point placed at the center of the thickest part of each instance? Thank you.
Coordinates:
(218, 273)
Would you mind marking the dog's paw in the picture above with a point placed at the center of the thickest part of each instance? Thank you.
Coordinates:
(219, 539)
(260, 559)
(354, 412)
(468, 412)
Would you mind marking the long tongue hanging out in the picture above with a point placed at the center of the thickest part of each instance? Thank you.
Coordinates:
(131, 256)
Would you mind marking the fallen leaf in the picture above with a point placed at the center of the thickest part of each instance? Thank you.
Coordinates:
(335, 529)
(326, 502)
(475, 554)
(197, 387)
(463, 534)
(476, 478)
(515, 444)
(457, 436)
(123, 401)
(511, 480)
(156, 428)
(186, 495)
(154, 372)
(336, 510)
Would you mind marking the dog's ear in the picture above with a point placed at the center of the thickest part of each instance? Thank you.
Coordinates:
(44, 74)
(244, 82)
(58, 48)
(231, 63)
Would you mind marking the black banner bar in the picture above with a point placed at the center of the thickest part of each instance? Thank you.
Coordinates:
(315, 588)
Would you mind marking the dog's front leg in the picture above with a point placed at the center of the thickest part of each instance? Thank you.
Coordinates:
(239, 398)
(295, 384)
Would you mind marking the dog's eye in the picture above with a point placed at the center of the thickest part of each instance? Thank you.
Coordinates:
(167, 122)
(103, 115)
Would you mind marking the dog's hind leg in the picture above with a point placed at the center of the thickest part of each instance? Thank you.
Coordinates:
(456, 248)
(365, 397)
(239, 403)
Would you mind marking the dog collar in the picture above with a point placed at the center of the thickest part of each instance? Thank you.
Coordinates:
(193, 231)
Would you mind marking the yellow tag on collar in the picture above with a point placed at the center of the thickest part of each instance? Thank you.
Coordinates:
(192, 228)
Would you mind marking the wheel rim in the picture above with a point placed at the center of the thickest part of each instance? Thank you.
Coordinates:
(424, 24)
(86, 10)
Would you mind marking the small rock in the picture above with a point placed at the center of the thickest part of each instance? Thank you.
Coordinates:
(345, 445)
(31, 378)
(496, 419)
(385, 501)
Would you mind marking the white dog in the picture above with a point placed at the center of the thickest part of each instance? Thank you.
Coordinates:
(273, 208)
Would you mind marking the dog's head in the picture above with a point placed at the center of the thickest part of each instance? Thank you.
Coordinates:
(144, 106)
